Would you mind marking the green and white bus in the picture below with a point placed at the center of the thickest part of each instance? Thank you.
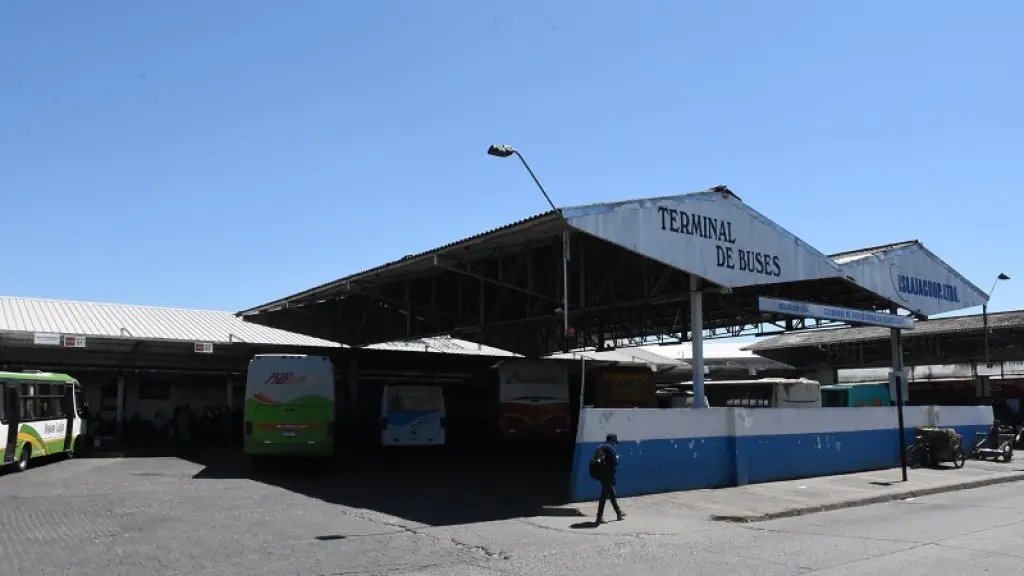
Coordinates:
(289, 406)
(40, 415)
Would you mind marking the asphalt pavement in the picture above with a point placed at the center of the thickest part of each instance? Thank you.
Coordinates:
(164, 516)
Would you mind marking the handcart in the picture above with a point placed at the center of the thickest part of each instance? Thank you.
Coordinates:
(994, 445)
(934, 446)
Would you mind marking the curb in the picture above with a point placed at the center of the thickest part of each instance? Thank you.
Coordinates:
(916, 493)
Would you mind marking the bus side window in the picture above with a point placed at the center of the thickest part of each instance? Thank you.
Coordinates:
(29, 402)
(80, 404)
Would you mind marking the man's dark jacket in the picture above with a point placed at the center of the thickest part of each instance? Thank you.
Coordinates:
(611, 462)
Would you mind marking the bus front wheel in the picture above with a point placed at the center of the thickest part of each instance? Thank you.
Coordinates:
(76, 447)
(26, 453)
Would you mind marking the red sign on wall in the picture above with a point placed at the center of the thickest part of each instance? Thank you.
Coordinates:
(74, 341)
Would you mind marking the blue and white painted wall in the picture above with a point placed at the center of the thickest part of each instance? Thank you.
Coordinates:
(667, 450)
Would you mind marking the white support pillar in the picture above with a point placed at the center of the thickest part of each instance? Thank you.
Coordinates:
(697, 340)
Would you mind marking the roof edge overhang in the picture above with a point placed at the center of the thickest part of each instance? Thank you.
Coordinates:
(137, 339)
(324, 289)
(868, 272)
(581, 218)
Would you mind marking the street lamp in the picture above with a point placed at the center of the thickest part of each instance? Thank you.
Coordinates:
(504, 151)
(984, 313)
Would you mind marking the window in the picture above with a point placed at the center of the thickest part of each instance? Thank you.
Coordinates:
(79, 399)
(834, 398)
(154, 390)
(108, 397)
(414, 399)
(28, 408)
(42, 401)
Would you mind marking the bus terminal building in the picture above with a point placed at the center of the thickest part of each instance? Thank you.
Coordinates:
(655, 271)
(578, 286)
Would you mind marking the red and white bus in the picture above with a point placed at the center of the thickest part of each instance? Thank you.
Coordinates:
(534, 398)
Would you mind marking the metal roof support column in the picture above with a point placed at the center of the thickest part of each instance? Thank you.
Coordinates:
(697, 340)
(229, 401)
(565, 289)
(898, 377)
(119, 426)
(353, 398)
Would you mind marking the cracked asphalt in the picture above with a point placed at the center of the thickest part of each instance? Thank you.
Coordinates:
(163, 516)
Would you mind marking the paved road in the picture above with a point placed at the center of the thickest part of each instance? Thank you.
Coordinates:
(153, 517)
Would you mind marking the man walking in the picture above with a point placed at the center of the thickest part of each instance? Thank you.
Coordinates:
(603, 467)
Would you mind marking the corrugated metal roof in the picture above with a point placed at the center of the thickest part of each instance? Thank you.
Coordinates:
(854, 255)
(837, 259)
(398, 263)
(98, 320)
(442, 345)
(996, 321)
(622, 355)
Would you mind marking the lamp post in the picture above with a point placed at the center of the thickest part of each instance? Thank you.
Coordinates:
(504, 151)
(984, 314)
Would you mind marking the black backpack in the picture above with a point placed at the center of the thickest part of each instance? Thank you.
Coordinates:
(597, 465)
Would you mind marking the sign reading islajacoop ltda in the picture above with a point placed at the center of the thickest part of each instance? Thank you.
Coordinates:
(917, 280)
(711, 234)
(835, 313)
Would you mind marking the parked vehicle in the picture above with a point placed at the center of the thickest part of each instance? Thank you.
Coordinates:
(934, 446)
(289, 406)
(534, 401)
(996, 444)
(40, 415)
(412, 415)
(760, 393)
(855, 395)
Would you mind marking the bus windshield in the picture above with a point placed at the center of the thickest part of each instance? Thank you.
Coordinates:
(405, 398)
(534, 382)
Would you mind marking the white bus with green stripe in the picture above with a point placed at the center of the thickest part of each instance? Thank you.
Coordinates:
(40, 415)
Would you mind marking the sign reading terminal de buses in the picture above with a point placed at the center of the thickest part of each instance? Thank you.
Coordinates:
(915, 279)
(711, 234)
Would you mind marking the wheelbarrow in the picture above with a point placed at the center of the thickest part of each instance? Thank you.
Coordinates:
(995, 445)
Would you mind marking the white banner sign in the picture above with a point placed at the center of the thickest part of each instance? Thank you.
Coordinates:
(204, 347)
(44, 339)
(915, 279)
(836, 313)
(711, 234)
(74, 341)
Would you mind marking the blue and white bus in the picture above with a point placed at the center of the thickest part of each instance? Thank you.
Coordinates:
(412, 415)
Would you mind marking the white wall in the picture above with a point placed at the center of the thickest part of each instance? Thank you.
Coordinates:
(638, 424)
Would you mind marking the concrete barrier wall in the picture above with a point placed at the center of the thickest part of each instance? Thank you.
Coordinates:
(666, 450)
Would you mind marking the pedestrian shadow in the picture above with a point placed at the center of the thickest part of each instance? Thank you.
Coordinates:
(433, 487)
(589, 525)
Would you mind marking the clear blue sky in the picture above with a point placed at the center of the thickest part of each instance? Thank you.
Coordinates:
(221, 154)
